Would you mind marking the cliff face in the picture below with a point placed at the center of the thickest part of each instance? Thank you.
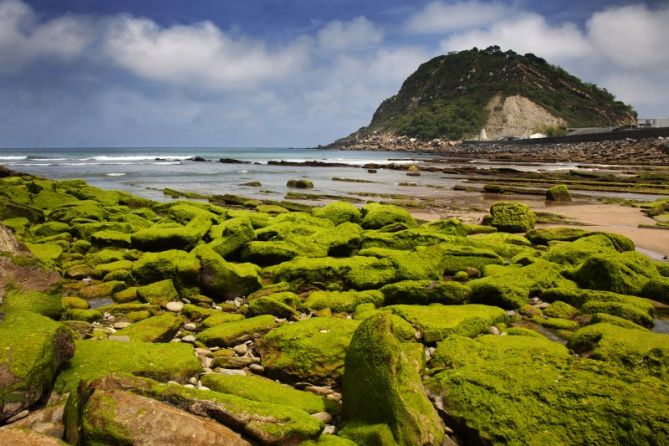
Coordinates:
(455, 96)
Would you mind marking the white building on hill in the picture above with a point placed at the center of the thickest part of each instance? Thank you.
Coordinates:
(652, 123)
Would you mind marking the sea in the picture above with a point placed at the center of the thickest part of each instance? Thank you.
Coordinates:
(146, 171)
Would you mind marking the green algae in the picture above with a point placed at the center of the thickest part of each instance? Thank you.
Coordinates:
(36, 301)
(154, 329)
(342, 301)
(230, 333)
(425, 292)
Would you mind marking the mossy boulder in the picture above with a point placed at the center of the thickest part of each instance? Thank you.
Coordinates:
(81, 314)
(542, 236)
(266, 253)
(436, 321)
(300, 184)
(225, 280)
(509, 216)
(574, 253)
(338, 212)
(376, 216)
(47, 199)
(624, 310)
(219, 317)
(47, 253)
(382, 386)
(561, 309)
(257, 388)
(101, 289)
(264, 423)
(164, 236)
(94, 359)
(111, 238)
(158, 293)
(230, 333)
(72, 302)
(49, 229)
(231, 236)
(283, 304)
(154, 329)
(624, 273)
(423, 292)
(529, 390)
(632, 348)
(36, 301)
(172, 264)
(32, 349)
(309, 350)
(558, 193)
(342, 301)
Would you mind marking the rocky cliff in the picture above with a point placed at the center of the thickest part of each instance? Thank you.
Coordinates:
(454, 97)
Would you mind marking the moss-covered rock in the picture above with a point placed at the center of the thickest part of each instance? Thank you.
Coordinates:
(103, 269)
(49, 229)
(171, 264)
(72, 302)
(36, 301)
(624, 273)
(283, 304)
(256, 388)
(338, 212)
(164, 236)
(101, 289)
(32, 349)
(558, 193)
(528, 390)
(510, 216)
(311, 349)
(632, 348)
(624, 310)
(560, 309)
(376, 216)
(300, 184)
(219, 317)
(47, 199)
(382, 385)
(342, 301)
(111, 238)
(86, 315)
(225, 280)
(158, 293)
(437, 322)
(48, 253)
(542, 236)
(94, 359)
(230, 333)
(266, 253)
(423, 292)
(231, 236)
(154, 329)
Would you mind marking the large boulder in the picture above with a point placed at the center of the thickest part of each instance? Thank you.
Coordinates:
(382, 386)
(15, 436)
(509, 216)
(376, 216)
(226, 280)
(32, 349)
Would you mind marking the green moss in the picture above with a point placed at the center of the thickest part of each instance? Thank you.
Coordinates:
(47, 199)
(127, 295)
(657, 289)
(542, 236)
(111, 238)
(231, 236)
(311, 349)
(45, 252)
(511, 286)
(219, 317)
(264, 390)
(300, 184)
(94, 359)
(614, 320)
(338, 212)
(561, 310)
(408, 238)
(342, 301)
(437, 322)
(161, 237)
(172, 264)
(626, 311)
(632, 348)
(376, 216)
(578, 298)
(76, 314)
(230, 333)
(558, 193)
(105, 256)
(521, 331)
(576, 252)
(624, 273)
(35, 301)
(49, 229)
(558, 323)
(282, 304)
(510, 216)
(268, 253)
(425, 292)
(329, 440)
(102, 289)
(154, 329)
(158, 293)
(80, 210)
(382, 385)
(224, 279)
(485, 392)
(71, 302)
(105, 268)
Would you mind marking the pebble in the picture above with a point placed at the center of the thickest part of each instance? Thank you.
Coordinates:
(334, 396)
(176, 340)
(207, 362)
(119, 338)
(190, 326)
(543, 305)
(172, 382)
(493, 330)
(257, 368)
(241, 349)
(214, 349)
(329, 429)
(324, 331)
(203, 388)
(231, 372)
(189, 338)
(202, 351)
(193, 380)
(190, 386)
(122, 325)
(174, 307)
(325, 417)
(319, 390)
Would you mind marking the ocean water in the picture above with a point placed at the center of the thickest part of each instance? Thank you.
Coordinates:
(147, 171)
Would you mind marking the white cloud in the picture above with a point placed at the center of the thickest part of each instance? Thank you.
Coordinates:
(356, 34)
(24, 39)
(198, 55)
(440, 17)
(528, 33)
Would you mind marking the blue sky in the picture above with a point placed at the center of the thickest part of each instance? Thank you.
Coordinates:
(284, 72)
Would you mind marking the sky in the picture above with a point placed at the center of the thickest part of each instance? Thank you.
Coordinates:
(284, 73)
